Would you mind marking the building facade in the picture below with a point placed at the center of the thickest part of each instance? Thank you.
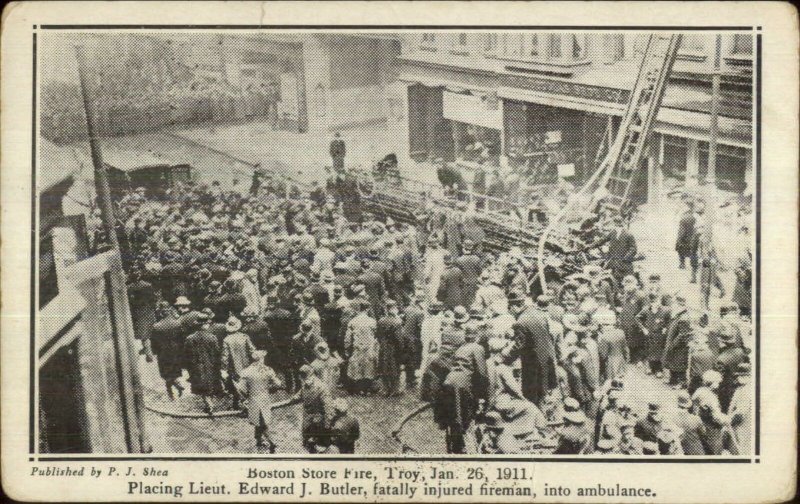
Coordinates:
(552, 101)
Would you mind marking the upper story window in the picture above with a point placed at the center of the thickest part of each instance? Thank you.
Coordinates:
(554, 48)
(739, 50)
(490, 43)
(428, 42)
(694, 47)
(531, 42)
(460, 42)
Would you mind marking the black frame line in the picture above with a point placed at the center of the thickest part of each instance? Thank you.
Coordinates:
(386, 27)
(34, 357)
(757, 259)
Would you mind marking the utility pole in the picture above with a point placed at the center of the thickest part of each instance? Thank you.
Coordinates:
(100, 177)
(709, 280)
(131, 398)
(711, 175)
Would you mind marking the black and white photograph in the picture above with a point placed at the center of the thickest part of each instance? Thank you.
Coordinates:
(418, 242)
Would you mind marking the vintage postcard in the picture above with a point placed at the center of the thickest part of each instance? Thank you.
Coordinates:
(399, 251)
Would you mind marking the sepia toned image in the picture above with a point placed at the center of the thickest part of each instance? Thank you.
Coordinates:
(396, 242)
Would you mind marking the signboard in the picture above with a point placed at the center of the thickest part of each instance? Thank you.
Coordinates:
(470, 109)
(566, 170)
(552, 137)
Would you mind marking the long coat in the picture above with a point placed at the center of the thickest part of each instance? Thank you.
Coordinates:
(656, 323)
(621, 253)
(537, 354)
(471, 266)
(632, 305)
(142, 299)
(237, 353)
(167, 340)
(683, 242)
(452, 287)
(362, 348)
(254, 383)
(412, 335)
(282, 326)
(203, 360)
(390, 341)
(676, 348)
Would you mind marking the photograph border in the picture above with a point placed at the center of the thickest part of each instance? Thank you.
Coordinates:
(34, 456)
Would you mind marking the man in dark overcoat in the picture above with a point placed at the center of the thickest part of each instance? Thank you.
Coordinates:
(471, 266)
(451, 284)
(412, 337)
(390, 341)
(534, 346)
(685, 238)
(142, 300)
(203, 357)
(282, 326)
(621, 251)
(676, 348)
(337, 150)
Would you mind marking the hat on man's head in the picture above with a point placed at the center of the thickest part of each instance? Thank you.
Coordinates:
(544, 300)
(460, 314)
(182, 301)
(684, 400)
(233, 324)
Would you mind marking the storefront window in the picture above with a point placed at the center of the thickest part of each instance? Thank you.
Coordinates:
(730, 169)
(473, 143)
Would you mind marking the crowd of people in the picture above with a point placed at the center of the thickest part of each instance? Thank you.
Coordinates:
(247, 293)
